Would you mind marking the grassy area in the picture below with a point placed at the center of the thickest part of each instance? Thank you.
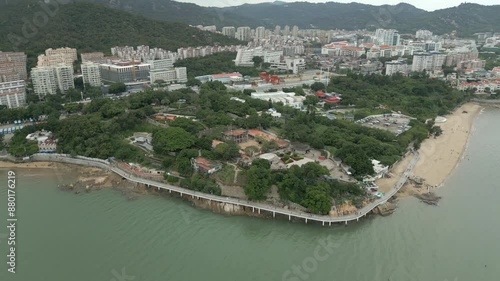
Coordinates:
(226, 175)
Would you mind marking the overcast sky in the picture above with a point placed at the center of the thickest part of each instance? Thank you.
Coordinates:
(429, 5)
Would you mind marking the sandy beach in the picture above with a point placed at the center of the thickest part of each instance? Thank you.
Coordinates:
(438, 156)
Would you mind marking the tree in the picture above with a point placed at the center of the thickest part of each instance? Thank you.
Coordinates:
(79, 83)
(257, 61)
(259, 180)
(311, 100)
(171, 139)
(184, 166)
(317, 86)
(317, 199)
(227, 151)
(117, 87)
(193, 82)
(2, 145)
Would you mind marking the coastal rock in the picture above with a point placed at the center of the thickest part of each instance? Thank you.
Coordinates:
(386, 209)
(429, 198)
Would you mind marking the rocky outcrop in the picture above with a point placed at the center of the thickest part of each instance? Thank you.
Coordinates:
(429, 198)
(385, 209)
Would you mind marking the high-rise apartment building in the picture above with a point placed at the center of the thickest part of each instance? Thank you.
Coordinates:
(229, 31)
(91, 74)
(46, 80)
(286, 30)
(277, 30)
(54, 57)
(387, 37)
(427, 61)
(95, 57)
(13, 93)
(243, 33)
(295, 31)
(260, 32)
(13, 66)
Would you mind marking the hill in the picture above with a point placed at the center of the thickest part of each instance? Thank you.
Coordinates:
(465, 18)
(181, 12)
(327, 15)
(92, 27)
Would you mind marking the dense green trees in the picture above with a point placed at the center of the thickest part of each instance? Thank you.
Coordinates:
(317, 199)
(417, 96)
(91, 27)
(117, 87)
(259, 180)
(214, 64)
(227, 151)
(171, 139)
(20, 146)
(187, 124)
(200, 183)
(317, 86)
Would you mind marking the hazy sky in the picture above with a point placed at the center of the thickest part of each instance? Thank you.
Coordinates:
(429, 5)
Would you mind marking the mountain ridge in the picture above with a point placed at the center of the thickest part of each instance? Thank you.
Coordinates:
(466, 18)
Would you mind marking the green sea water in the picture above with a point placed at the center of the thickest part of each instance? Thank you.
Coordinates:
(103, 236)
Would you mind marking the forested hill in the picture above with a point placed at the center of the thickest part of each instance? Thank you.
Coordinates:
(177, 11)
(465, 18)
(91, 27)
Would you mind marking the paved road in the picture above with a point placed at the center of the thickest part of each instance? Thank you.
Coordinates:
(258, 207)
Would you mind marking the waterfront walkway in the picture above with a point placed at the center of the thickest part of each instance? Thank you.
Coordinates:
(255, 206)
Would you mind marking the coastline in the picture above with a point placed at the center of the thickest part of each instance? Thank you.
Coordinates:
(438, 156)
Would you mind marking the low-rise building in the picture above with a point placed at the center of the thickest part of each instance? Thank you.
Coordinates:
(45, 142)
(205, 166)
(222, 77)
(237, 136)
(288, 99)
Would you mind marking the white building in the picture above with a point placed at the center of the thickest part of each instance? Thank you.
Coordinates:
(13, 94)
(288, 99)
(229, 31)
(91, 74)
(395, 66)
(260, 32)
(295, 31)
(427, 61)
(164, 70)
(387, 37)
(244, 57)
(64, 77)
(243, 33)
(46, 80)
(161, 64)
(296, 65)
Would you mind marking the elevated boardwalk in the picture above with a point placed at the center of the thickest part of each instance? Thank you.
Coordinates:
(258, 207)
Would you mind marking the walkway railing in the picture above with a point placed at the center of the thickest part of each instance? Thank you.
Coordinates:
(226, 200)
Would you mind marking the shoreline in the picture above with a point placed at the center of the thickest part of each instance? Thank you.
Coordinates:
(440, 156)
(432, 167)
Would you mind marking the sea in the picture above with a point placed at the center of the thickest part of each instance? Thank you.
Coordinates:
(105, 236)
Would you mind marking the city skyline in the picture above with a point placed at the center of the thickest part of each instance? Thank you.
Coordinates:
(427, 5)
